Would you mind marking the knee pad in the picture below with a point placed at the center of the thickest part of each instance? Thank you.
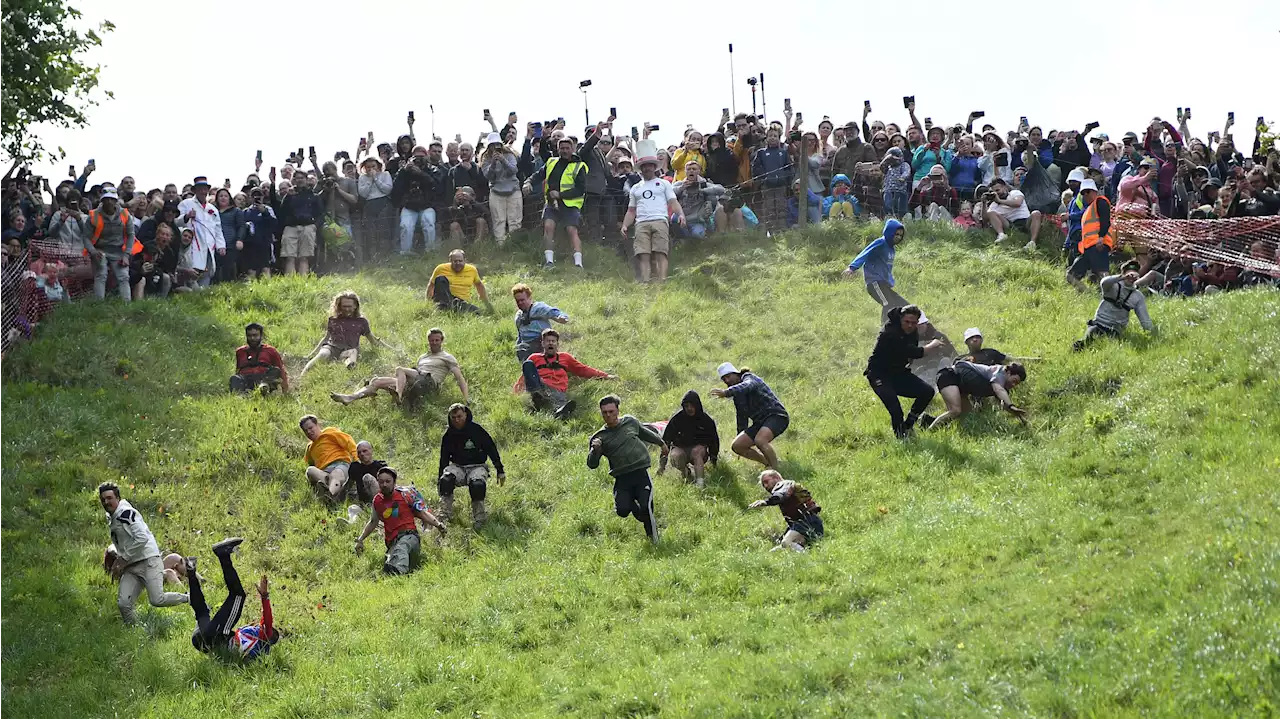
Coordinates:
(445, 485)
(478, 489)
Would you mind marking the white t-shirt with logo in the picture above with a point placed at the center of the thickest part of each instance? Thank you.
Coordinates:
(1021, 212)
(649, 199)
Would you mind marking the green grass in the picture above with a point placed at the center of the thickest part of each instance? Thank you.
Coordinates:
(1116, 557)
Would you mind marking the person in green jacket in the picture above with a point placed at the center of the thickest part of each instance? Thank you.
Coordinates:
(622, 440)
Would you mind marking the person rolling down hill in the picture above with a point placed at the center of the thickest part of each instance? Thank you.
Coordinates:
(876, 263)
(761, 417)
(1120, 296)
(622, 440)
(218, 635)
(691, 433)
(965, 380)
(804, 525)
(889, 367)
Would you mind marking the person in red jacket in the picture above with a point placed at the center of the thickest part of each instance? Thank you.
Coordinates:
(258, 364)
(546, 375)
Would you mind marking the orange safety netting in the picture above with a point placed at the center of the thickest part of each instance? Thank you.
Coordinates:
(1247, 242)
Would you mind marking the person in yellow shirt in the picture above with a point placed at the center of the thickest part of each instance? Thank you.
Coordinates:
(690, 152)
(329, 456)
(452, 283)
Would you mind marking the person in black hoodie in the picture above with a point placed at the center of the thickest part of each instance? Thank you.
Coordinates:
(691, 433)
(889, 367)
(464, 449)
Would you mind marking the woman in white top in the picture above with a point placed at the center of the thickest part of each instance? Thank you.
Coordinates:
(995, 160)
(378, 221)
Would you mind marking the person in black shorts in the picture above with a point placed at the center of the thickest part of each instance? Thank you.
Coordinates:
(761, 417)
(889, 367)
(965, 380)
(804, 525)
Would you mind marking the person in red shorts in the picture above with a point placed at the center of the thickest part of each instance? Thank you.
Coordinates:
(397, 509)
(258, 364)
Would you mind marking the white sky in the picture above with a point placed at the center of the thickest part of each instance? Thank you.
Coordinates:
(199, 87)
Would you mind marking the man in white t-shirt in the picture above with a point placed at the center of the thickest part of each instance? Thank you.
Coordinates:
(653, 201)
(1009, 209)
(409, 385)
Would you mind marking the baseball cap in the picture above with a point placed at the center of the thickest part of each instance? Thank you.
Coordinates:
(937, 171)
(726, 368)
(109, 193)
(971, 333)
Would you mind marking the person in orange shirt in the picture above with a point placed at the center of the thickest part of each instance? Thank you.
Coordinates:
(329, 456)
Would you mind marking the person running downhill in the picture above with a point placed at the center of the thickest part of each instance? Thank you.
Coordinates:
(218, 635)
(464, 449)
(804, 525)
(761, 417)
(396, 509)
(137, 562)
(876, 262)
(622, 440)
(691, 433)
(889, 367)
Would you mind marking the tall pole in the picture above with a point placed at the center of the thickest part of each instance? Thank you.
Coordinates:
(733, 92)
(753, 99)
(764, 104)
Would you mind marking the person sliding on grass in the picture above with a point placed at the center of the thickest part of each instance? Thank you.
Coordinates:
(804, 526)
(1120, 295)
(889, 367)
(453, 282)
(546, 376)
(218, 635)
(964, 380)
(329, 456)
(464, 448)
(409, 386)
(532, 318)
(397, 508)
(342, 333)
(258, 364)
(691, 433)
(622, 440)
(761, 417)
(136, 562)
(364, 472)
(876, 261)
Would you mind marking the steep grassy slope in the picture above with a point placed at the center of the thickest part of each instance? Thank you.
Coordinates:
(1117, 557)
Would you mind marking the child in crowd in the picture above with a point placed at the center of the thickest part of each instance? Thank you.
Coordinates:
(965, 217)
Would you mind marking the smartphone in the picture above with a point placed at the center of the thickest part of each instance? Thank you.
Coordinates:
(906, 101)
(486, 112)
(312, 152)
(786, 104)
(364, 145)
(654, 128)
(72, 171)
(259, 155)
(1001, 160)
(928, 122)
(635, 133)
(93, 162)
(866, 104)
(411, 116)
(799, 116)
(978, 113)
(725, 112)
(1023, 120)
(559, 119)
(1231, 117)
(226, 182)
(299, 154)
(1179, 112)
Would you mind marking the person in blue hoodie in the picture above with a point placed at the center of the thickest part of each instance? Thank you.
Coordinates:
(876, 261)
(841, 203)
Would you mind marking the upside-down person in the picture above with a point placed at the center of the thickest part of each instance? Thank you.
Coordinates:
(804, 525)
(218, 634)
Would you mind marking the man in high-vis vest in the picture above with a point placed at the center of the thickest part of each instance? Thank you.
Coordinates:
(565, 188)
(111, 234)
(1096, 242)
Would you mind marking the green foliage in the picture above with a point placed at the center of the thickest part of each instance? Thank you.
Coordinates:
(1116, 557)
(44, 75)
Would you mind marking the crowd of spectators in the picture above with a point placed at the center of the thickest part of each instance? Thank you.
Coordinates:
(390, 199)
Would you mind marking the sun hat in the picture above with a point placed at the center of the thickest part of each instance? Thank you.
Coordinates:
(1088, 185)
(726, 368)
(1076, 175)
(971, 333)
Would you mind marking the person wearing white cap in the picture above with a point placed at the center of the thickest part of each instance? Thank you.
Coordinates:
(111, 233)
(761, 417)
(979, 354)
(1096, 242)
(506, 201)
(652, 202)
(200, 215)
(1075, 211)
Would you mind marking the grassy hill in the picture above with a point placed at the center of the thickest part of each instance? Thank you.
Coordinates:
(1116, 557)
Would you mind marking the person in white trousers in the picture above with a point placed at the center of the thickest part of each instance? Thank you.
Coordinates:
(137, 564)
(506, 200)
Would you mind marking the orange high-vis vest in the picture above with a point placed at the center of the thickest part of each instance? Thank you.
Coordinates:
(95, 220)
(1091, 228)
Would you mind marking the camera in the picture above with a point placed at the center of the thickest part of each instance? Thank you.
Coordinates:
(584, 84)
(989, 197)
(752, 81)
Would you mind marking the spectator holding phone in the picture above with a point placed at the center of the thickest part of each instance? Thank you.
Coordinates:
(506, 201)
(996, 160)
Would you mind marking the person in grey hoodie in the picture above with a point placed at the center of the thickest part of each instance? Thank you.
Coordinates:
(506, 201)
(698, 197)
(622, 440)
(1120, 296)
(68, 226)
(137, 561)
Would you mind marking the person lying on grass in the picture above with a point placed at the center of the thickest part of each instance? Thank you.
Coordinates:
(761, 417)
(218, 635)
(342, 333)
(965, 380)
(804, 525)
(397, 509)
(410, 386)
(329, 456)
